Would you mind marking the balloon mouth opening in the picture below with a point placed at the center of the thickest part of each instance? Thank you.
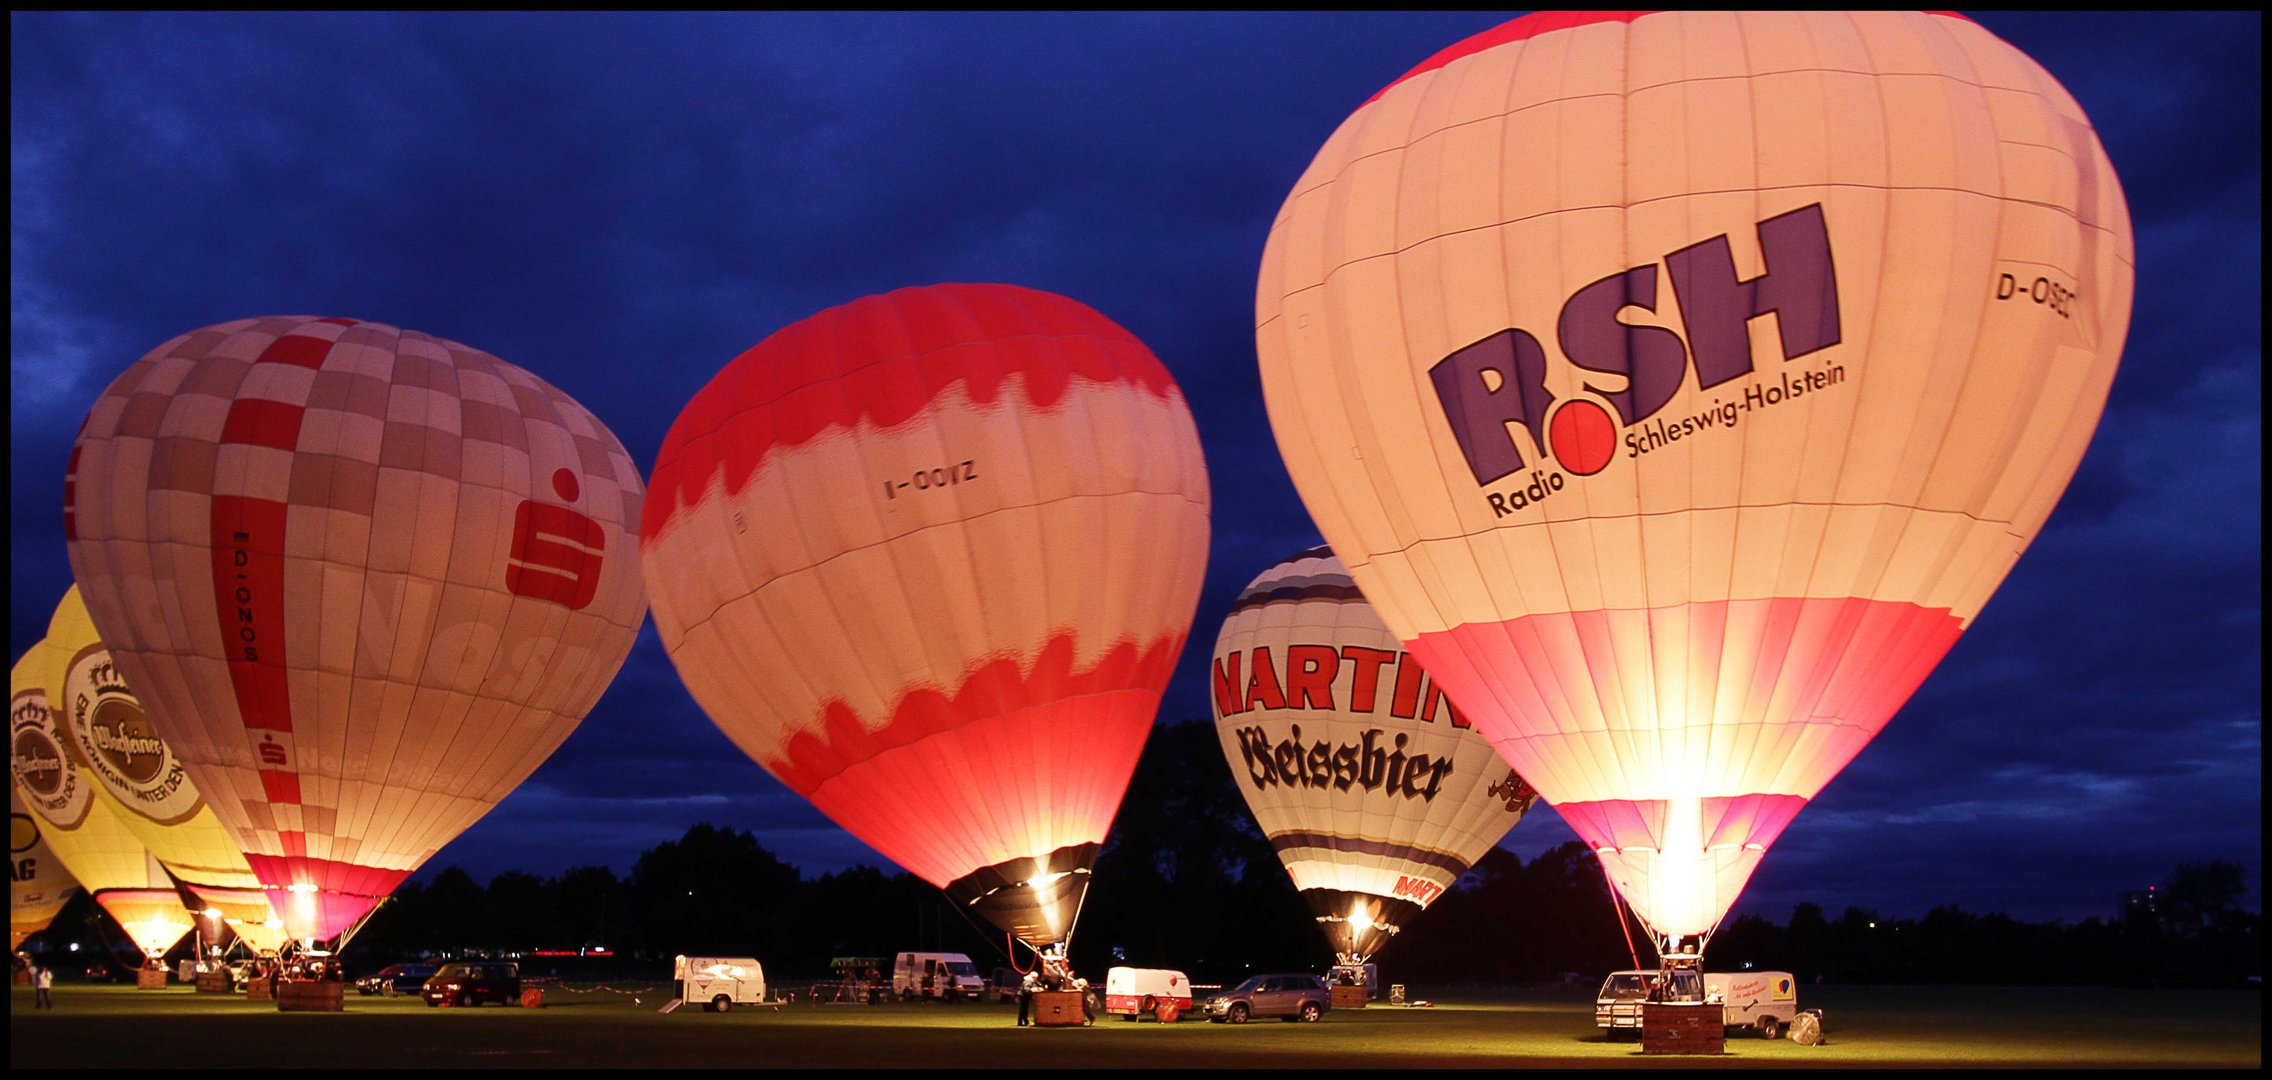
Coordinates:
(154, 935)
(1358, 924)
(1037, 898)
(1676, 881)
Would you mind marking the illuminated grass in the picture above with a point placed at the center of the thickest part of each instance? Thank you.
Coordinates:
(119, 1027)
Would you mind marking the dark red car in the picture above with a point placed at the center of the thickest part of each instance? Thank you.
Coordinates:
(472, 982)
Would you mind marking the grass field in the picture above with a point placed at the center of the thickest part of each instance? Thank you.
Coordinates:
(1866, 1027)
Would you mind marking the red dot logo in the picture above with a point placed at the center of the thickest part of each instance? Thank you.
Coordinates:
(564, 482)
(1582, 436)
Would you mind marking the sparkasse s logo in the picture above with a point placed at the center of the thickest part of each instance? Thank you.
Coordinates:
(1500, 381)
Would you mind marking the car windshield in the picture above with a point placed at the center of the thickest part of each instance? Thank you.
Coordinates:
(1249, 986)
(963, 967)
(1626, 985)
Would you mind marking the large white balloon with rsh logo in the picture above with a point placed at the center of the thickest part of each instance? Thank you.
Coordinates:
(1679, 385)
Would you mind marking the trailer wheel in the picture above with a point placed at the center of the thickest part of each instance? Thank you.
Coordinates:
(1769, 1029)
(1151, 1004)
(722, 1003)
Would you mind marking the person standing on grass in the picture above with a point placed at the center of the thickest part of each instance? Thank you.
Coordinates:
(43, 987)
(1027, 987)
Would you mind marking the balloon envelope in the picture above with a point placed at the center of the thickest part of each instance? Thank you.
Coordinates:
(1678, 385)
(1375, 792)
(84, 830)
(38, 885)
(929, 558)
(365, 579)
(107, 734)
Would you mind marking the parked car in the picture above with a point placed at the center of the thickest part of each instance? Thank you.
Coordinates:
(403, 978)
(1619, 1003)
(472, 983)
(1302, 998)
(1003, 986)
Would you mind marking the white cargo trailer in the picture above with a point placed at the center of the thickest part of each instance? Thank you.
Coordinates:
(720, 982)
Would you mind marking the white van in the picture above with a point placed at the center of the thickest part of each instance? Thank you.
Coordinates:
(1617, 1006)
(719, 982)
(1761, 1001)
(947, 976)
(1136, 992)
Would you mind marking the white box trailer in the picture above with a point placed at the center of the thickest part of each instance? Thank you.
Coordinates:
(1137, 992)
(720, 982)
(1764, 1001)
(947, 976)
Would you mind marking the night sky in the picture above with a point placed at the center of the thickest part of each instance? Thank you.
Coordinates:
(622, 204)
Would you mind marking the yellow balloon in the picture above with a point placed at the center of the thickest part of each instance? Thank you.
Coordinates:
(82, 828)
(106, 731)
(38, 885)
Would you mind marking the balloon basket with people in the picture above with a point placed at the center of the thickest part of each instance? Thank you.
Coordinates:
(1051, 995)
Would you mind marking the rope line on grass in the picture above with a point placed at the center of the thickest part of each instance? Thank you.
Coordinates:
(603, 987)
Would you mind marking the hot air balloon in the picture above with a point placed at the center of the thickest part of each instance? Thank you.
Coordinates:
(1375, 791)
(929, 558)
(90, 838)
(364, 579)
(107, 734)
(1679, 385)
(38, 885)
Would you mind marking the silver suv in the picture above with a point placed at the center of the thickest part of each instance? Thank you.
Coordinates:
(1290, 997)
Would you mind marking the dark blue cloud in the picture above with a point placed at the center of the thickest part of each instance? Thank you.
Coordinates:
(623, 203)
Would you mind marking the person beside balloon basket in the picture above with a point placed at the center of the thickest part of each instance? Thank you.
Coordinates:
(1027, 988)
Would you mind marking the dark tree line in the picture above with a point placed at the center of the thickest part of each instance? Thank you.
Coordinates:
(1187, 881)
(2188, 931)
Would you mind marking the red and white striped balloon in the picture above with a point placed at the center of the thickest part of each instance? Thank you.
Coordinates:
(929, 558)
